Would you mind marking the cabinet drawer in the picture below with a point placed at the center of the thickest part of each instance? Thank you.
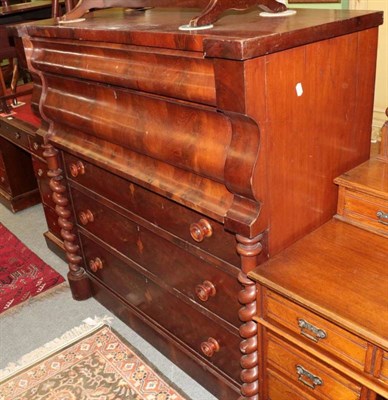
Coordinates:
(184, 77)
(314, 329)
(14, 135)
(176, 267)
(156, 209)
(178, 317)
(279, 388)
(308, 374)
(366, 210)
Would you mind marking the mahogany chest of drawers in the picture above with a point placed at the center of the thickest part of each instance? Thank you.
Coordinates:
(192, 156)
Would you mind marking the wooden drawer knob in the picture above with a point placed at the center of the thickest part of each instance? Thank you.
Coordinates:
(85, 217)
(201, 230)
(76, 169)
(205, 290)
(96, 264)
(210, 347)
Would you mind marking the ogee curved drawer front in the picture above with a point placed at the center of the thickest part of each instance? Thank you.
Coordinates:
(207, 338)
(181, 270)
(154, 208)
(145, 69)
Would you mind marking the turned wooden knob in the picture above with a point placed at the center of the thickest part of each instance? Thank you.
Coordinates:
(85, 217)
(210, 347)
(201, 230)
(76, 169)
(205, 290)
(96, 264)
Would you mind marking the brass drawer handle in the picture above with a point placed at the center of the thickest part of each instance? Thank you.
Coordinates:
(382, 217)
(85, 217)
(205, 290)
(35, 146)
(210, 347)
(316, 333)
(201, 230)
(17, 135)
(96, 264)
(313, 380)
(76, 169)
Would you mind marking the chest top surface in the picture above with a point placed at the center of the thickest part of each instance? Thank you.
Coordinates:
(236, 35)
(340, 272)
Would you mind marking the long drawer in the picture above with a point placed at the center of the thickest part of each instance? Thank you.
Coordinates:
(279, 388)
(165, 213)
(219, 346)
(203, 283)
(314, 329)
(307, 374)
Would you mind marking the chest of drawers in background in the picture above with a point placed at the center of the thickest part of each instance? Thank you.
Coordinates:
(190, 158)
(323, 327)
(363, 196)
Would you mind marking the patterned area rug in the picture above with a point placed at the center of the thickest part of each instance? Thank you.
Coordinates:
(22, 273)
(98, 366)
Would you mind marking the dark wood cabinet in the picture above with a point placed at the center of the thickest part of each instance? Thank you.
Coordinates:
(180, 160)
(23, 170)
(18, 185)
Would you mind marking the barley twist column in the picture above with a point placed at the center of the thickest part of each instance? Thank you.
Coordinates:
(249, 249)
(78, 280)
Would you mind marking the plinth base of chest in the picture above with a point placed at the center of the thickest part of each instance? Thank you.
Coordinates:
(214, 382)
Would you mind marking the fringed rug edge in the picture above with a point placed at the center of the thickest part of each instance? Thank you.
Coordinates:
(52, 291)
(89, 326)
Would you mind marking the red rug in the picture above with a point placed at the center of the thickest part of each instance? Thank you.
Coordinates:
(22, 273)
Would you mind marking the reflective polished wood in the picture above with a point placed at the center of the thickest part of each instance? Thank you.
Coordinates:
(180, 160)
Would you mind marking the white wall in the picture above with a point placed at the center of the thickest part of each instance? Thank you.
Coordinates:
(381, 90)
